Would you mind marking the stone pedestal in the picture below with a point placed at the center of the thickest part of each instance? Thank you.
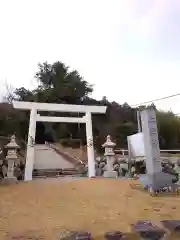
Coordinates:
(110, 174)
(110, 169)
(157, 181)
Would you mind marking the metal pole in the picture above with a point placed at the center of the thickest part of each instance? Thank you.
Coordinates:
(138, 121)
(129, 157)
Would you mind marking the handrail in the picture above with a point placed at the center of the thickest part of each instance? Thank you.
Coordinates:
(66, 155)
(78, 159)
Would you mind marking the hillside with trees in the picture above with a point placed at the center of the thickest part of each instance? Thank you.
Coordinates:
(58, 84)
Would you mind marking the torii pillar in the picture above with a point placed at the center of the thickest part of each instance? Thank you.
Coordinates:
(30, 154)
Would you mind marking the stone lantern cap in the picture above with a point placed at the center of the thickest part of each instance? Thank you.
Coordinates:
(12, 144)
(109, 143)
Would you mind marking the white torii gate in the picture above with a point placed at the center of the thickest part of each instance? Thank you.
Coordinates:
(34, 117)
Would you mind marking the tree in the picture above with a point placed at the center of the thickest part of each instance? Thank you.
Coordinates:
(124, 130)
(22, 94)
(9, 96)
(169, 130)
(59, 84)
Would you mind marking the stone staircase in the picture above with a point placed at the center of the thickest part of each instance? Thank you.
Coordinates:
(50, 161)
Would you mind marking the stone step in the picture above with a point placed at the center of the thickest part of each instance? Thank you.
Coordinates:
(54, 172)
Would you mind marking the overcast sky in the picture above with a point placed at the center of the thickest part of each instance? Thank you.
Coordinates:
(129, 49)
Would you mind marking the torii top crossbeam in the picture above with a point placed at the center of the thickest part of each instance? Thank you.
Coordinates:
(58, 107)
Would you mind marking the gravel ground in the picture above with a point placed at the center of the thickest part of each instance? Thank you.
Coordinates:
(46, 207)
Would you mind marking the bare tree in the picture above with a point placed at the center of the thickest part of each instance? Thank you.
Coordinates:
(9, 95)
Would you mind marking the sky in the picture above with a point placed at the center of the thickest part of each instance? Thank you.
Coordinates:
(128, 49)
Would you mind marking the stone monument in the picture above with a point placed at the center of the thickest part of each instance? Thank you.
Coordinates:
(12, 158)
(155, 179)
(109, 155)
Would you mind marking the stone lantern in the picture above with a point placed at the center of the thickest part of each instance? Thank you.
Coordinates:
(109, 155)
(12, 157)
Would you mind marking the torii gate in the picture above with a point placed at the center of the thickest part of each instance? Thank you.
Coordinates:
(34, 117)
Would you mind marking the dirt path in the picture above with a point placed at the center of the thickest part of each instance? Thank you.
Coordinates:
(47, 207)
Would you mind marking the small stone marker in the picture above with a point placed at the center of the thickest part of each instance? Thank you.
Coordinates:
(172, 225)
(76, 235)
(116, 235)
(148, 231)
